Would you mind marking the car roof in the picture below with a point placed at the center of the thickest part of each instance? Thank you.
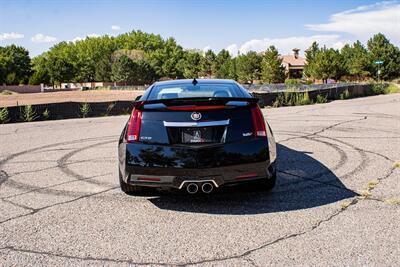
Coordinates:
(199, 81)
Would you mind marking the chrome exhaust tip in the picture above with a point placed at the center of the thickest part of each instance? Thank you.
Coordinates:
(192, 188)
(207, 188)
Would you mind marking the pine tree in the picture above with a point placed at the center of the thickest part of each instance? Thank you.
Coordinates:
(272, 70)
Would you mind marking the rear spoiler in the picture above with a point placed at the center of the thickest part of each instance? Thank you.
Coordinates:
(196, 101)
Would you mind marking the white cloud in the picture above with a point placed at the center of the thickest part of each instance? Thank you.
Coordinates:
(41, 38)
(365, 21)
(115, 27)
(285, 45)
(11, 36)
(358, 23)
(90, 35)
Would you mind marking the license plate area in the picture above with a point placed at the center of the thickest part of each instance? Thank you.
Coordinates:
(197, 135)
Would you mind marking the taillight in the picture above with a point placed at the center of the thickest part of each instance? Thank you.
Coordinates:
(258, 122)
(132, 134)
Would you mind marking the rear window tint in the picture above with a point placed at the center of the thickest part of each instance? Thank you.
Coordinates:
(190, 90)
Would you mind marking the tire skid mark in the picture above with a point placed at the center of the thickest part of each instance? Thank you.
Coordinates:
(62, 163)
(34, 211)
(47, 189)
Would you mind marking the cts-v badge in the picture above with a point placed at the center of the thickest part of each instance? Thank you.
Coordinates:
(196, 116)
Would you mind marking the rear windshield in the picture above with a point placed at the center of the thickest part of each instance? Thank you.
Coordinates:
(190, 90)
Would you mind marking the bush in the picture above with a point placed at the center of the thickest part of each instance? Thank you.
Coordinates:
(28, 114)
(4, 116)
(84, 109)
(292, 98)
(46, 114)
(392, 89)
(379, 88)
(321, 99)
(292, 81)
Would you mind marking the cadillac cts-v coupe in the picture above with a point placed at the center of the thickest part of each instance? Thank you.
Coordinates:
(197, 136)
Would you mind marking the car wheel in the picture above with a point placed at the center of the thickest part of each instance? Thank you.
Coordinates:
(266, 184)
(127, 188)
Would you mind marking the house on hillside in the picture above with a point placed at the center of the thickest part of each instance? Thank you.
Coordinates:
(294, 64)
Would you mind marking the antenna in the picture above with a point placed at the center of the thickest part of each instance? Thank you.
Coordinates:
(194, 82)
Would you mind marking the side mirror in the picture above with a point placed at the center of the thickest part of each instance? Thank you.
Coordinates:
(138, 97)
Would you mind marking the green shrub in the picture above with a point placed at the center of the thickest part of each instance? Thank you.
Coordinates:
(4, 116)
(303, 99)
(392, 89)
(309, 82)
(321, 99)
(292, 81)
(84, 109)
(292, 98)
(379, 88)
(28, 114)
(46, 114)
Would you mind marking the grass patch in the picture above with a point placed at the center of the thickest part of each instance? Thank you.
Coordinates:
(7, 92)
(393, 201)
(366, 193)
(371, 184)
(392, 89)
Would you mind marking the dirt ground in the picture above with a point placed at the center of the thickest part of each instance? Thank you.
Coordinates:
(73, 96)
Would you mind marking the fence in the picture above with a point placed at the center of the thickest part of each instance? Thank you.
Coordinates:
(67, 110)
(330, 91)
(22, 89)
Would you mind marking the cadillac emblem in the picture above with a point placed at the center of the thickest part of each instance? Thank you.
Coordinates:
(196, 116)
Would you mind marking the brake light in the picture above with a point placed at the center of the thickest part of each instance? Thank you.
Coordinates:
(196, 108)
(258, 122)
(132, 134)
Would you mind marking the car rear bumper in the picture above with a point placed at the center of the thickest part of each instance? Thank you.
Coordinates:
(175, 166)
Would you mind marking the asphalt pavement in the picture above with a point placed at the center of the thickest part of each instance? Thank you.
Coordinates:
(337, 200)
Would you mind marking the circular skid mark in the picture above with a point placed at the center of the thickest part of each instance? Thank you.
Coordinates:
(281, 189)
(62, 164)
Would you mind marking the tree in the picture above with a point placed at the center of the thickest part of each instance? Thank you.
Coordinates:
(15, 65)
(381, 49)
(310, 56)
(326, 64)
(103, 69)
(131, 72)
(208, 63)
(122, 70)
(223, 65)
(356, 60)
(249, 67)
(272, 70)
(192, 65)
(59, 69)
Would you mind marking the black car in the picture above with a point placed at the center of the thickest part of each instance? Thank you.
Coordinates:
(196, 135)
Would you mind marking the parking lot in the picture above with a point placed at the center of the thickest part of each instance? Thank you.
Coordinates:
(337, 201)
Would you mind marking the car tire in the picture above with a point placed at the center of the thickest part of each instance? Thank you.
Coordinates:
(127, 188)
(267, 184)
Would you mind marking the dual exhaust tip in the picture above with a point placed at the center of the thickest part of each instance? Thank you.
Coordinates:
(193, 188)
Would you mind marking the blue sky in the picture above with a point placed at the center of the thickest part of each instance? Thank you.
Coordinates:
(235, 25)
